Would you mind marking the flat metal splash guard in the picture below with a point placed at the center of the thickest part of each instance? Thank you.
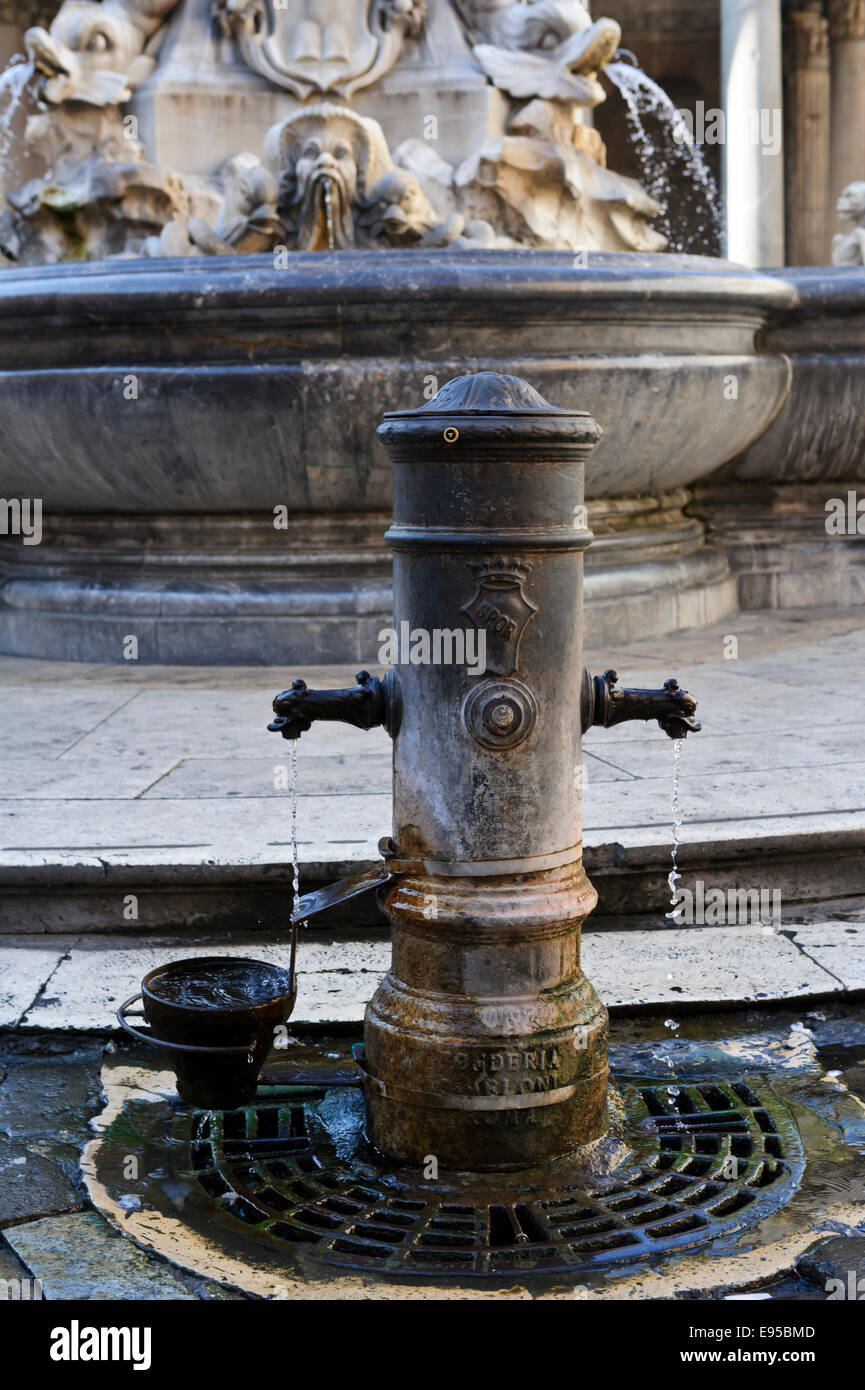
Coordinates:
(705, 1159)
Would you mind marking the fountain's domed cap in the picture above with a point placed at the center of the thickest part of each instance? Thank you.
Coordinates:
(492, 411)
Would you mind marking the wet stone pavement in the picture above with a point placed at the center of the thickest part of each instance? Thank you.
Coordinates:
(54, 1245)
(51, 1245)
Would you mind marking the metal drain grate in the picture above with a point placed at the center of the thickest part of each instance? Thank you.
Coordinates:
(710, 1158)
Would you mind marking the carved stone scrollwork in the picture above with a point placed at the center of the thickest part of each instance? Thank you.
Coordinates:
(347, 46)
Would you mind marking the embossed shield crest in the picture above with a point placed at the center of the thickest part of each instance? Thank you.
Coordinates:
(318, 47)
(501, 608)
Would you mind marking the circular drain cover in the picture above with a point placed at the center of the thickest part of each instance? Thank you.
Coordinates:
(706, 1159)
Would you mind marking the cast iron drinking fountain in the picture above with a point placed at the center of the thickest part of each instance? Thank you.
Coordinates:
(475, 1132)
(485, 1045)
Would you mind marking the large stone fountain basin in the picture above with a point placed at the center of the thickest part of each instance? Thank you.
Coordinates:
(162, 409)
(771, 508)
(258, 385)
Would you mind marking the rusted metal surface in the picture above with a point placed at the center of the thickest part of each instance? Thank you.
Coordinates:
(485, 1045)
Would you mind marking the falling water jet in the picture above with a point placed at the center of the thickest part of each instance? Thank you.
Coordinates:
(295, 858)
(13, 81)
(328, 212)
(674, 875)
(673, 148)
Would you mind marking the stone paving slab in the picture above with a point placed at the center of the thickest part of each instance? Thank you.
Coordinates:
(702, 965)
(13, 1272)
(24, 969)
(29, 779)
(31, 1182)
(835, 946)
(839, 1258)
(79, 1256)
(631, 970)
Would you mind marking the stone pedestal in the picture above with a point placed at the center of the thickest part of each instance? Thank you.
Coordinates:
(650, 570)
(778, 547)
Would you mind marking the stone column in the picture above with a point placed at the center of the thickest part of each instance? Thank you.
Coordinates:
(753, 154)
(847, 33)
(808, 132)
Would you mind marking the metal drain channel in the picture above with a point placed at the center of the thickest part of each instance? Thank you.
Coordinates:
(712, 1157)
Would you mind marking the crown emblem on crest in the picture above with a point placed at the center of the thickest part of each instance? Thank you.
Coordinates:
(501, 609)
(501, 568)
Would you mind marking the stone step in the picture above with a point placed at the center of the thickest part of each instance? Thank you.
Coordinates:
(77, 984)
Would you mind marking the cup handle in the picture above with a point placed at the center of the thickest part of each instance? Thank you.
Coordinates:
(153, 1041)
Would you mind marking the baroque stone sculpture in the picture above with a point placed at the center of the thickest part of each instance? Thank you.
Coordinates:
(324, 175)
(97, 195)
(848, 248)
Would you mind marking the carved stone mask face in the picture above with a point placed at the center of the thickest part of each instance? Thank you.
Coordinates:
(328, 158)
(322, 181)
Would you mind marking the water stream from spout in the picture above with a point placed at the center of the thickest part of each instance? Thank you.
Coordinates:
(328, 212)
(13, 81)
(673, 876)
(295, 858)
(670, 162)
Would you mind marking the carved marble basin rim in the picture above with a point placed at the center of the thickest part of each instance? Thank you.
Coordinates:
(358, 275)
(257, 385)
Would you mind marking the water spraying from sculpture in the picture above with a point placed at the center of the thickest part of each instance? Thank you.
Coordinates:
(667, 153)
(13, 81)
(328, 212)
(323, 176)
